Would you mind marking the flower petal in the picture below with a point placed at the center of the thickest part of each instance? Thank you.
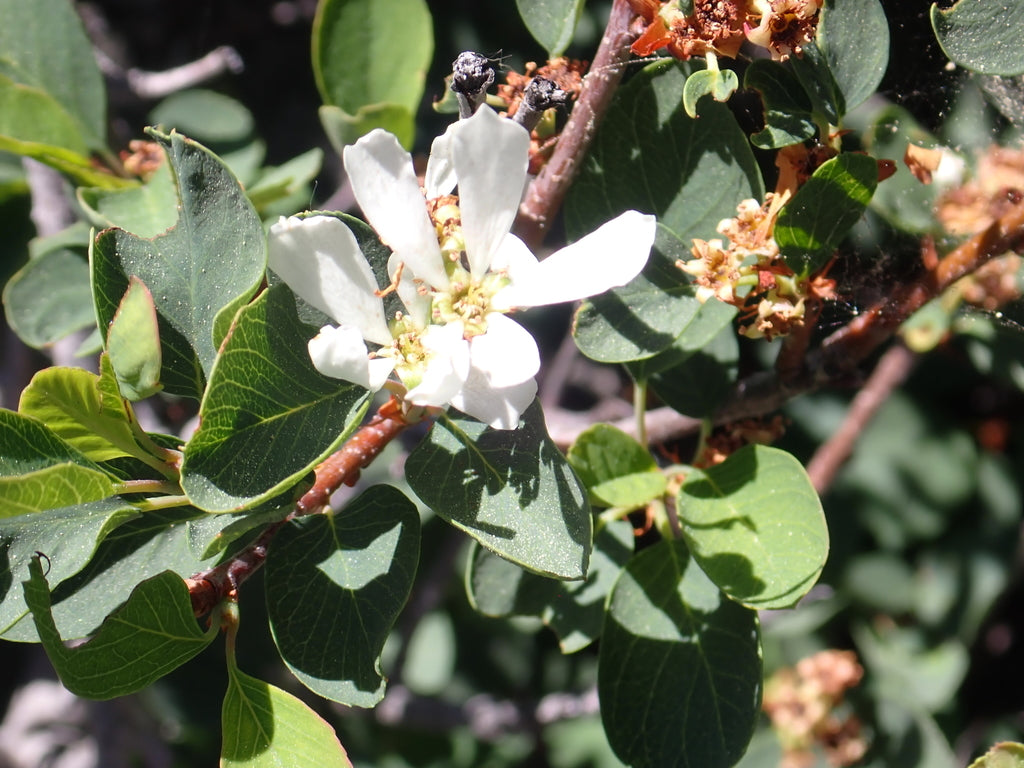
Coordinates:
(440, 176)
(506, 355)
(499, 408)
(341, 354)
(386, 189)
(447, 366)
(490, 155)
(608, 257)
(319, 259)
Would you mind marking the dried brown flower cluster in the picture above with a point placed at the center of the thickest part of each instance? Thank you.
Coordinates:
(143, 158)
(802, 704)
(995, 187)
(567, 74)
(750, 274)
(720, 27)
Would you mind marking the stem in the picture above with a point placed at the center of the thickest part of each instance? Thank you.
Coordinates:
(161, 502)
(210, 587)
(546, 193)
(640, 410)
(148, 486)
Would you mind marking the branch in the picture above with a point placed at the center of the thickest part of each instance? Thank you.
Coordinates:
(892, 370)
(546, 193)
(208, 588)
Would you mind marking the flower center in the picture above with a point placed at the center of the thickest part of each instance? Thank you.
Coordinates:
(467, 299)
(407, 350)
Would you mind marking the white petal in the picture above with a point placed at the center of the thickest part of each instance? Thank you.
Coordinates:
(386, 188)
(319, 259)
(518, 263)
(499, 408)
(447, 366)
(341, 354)
(507, 354)
(440, 176)
(608, 257)
(490, 154)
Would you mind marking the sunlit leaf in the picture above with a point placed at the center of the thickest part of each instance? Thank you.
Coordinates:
(268, 416)
(265, 727)
(153, 633)
(363, 58)
(615, 468)
(823, 210)
(756, 527)
(853, 36)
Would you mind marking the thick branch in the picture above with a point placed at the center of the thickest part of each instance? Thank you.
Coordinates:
(546, 193)
(210, 587)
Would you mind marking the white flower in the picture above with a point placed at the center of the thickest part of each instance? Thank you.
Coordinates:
(456, 268)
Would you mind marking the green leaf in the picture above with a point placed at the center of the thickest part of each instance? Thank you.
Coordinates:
(133, 343)
(643, 317)
(712, 319)
(551, 22)
(674, 642)
(756, 527)
(1005, 754)
(84, 409)
(812, 70)
(288, 179)
(213, 259)
(510, 489)
(704, 380)
(40, 471)
(150, 635)
(648, 155)
(43, 45)
(268, 416)
(343, 128)
(719, 84)
(787, 108)
(335, 585)
(853, 36)
(132, 552)
(982, 35)
(209, 117)
(815, 221)
(574, 610)
(68, 537)
(364, 57)
(146, 210)
(49, 298)
(265, 727)
(615, 468)
(62, 485)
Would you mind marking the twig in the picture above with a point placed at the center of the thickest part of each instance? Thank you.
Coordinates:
(546, 193)
(157, 85)
(892, 370)
(208, 588)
